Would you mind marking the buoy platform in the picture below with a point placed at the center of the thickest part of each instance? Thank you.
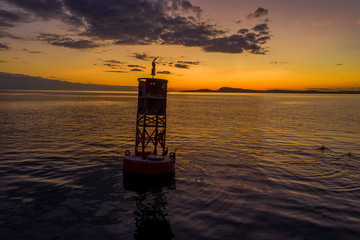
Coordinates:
(154, 165)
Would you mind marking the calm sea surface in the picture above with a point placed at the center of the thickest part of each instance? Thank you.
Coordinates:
(249, 166)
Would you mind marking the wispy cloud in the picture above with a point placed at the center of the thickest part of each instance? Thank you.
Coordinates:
(29, 51)
(4, 47)
(135, 66)
(260, 12)
(185, 66)
(58, 40)
(120, 67)
(12, 18)
(276, 62)
(163, 72)
(243, 31)
(172, 22)
(189, 62)
(261, 27)
(116, 71)
(113, 63)
(142, 56)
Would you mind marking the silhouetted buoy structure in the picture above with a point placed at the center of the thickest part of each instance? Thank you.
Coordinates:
(151, 154)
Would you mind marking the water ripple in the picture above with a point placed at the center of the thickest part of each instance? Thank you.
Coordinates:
(247, 167)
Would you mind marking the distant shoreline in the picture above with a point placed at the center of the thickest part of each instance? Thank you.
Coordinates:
(240, 90)
(10, 81)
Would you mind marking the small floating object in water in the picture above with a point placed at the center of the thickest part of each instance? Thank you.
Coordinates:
(323, 148)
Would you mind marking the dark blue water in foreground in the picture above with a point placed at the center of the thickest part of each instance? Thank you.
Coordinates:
(249, 166)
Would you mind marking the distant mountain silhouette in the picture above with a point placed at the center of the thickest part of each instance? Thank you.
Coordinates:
(241, 90)
(21, 81)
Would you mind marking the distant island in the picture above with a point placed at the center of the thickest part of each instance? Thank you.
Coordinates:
(25, 82)
(241, 90)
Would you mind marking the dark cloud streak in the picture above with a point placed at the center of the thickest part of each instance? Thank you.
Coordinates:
(163, 72)
(260, 12)
(29, 51)
(189, 62)
(114, 64)
(11, 19)
(135, 66)
(116, 71)
(113, 61)
(185, 66)
(58, 40)
(142, 56)
(4, 47)
(261, 27)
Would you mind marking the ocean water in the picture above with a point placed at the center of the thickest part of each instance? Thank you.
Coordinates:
(248, 166)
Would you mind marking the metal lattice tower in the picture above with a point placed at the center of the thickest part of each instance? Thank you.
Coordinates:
(151, 117)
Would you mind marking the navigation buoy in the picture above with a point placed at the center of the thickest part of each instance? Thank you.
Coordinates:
(151, 155)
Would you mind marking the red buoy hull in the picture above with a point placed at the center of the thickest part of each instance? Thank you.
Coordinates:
(137, 165)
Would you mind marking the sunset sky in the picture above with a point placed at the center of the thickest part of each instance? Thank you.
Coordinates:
(252, 44)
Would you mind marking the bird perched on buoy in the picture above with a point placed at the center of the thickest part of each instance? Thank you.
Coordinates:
(153, 67)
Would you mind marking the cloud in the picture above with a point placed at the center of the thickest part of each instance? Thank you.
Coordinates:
(261, 27)
(275, 62)
(58, 40)
(171, 62)
(238, 44)
(10, 19)
(163, 72)
(43, 10)
(185, 66)
(136, 70)
(189, 62)
(142, 56)
(118, 71)
(1, 61)
(135, 66)
(113, 63)
(134, 22)
(34, 52)
(243, 31)
(4, 34)
(260, 12)
(4, 47)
